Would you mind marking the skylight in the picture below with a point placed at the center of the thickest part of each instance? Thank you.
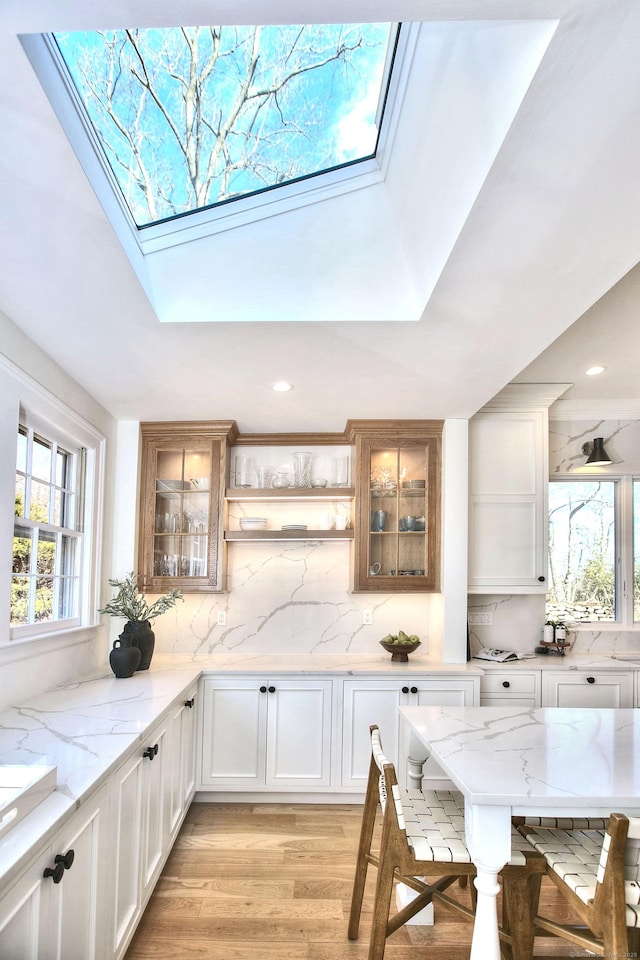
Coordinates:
(192, 118)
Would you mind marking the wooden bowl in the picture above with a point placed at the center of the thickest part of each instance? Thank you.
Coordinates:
(399, 651)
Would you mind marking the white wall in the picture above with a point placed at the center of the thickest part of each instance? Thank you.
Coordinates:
(29, 376)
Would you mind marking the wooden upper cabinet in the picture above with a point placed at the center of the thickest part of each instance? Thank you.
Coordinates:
(182, 484)
(397, 523)
(396, 518)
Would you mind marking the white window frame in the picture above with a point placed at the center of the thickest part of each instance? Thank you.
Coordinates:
(623, 520)
(53, 421)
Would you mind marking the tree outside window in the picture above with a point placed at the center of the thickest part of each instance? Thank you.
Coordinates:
(582, 551)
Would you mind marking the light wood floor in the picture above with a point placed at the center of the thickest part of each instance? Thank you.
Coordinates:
(273, 882)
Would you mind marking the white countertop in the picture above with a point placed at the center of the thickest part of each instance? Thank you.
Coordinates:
(87, 728)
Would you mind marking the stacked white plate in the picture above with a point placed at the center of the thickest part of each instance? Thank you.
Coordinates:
(253, 523)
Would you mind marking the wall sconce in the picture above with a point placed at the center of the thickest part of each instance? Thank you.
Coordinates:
(597, 455)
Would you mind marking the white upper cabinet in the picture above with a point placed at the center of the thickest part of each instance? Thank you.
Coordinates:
(508, 499)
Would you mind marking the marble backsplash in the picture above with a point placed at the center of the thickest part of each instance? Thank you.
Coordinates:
(518, 622)
(291, 597)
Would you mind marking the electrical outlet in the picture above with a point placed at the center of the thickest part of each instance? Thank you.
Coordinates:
(367, 617)
(480, 619)
(222, 618)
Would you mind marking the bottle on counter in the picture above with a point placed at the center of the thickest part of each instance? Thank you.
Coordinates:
(561, 633)
(549, 632)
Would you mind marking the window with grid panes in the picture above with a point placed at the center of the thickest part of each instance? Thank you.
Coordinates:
(48, 538)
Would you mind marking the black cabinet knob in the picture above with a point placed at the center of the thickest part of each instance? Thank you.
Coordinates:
(405, 689)
(414, 689)
(505, 683)
(263, 689)
(272, 689)
(591, 679)
(56, 873)
(541, 579)
(189, 703)
(66, 859)
(151, 752)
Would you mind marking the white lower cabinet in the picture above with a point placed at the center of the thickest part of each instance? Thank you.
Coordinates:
(270, 733)
(583, 688)
(182, 762)
(367, 702)
(142, 789)
(56, 909)
(510, 689)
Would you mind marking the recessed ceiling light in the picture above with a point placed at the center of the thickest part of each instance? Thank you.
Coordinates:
(594, 371)
(281, 386)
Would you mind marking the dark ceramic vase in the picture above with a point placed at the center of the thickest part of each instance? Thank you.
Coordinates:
(124, 659)
(138, 633)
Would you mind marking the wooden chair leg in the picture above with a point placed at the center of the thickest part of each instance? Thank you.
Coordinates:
(364, 856)
(520, 897)
(381, 910)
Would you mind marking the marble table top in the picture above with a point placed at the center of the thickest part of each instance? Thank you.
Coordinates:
(549, 758)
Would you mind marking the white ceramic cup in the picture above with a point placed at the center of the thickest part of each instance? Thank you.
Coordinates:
(340, 521)
(325, 521)
(375, 569)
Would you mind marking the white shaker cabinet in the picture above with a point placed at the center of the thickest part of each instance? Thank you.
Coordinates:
(140, 792)
(266, 732)
(56, 909)
(508, 474)
(182, 761)
(375, 701)
(584, 688)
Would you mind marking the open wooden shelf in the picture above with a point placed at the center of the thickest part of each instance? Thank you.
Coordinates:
(288, 535)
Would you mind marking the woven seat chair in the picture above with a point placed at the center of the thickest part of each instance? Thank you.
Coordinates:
(598, 873)
(423, 837)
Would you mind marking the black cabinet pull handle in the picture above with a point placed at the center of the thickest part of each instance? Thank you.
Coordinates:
(263, 689)
(56, 873)
(591, 679)
(541, 579)
(66, 859)
(272, 689)
(405, 689)
(505, 683)
(151, 752)
(189, 703)
(414, 689)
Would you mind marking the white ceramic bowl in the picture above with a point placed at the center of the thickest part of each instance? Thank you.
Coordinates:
(253, 523)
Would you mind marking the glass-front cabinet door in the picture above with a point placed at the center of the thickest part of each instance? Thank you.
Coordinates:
(398, 512)
(181, 511)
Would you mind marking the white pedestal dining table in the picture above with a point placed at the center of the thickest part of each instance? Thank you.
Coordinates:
(510, 761)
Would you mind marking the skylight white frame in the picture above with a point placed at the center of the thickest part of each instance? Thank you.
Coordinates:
(55, 79)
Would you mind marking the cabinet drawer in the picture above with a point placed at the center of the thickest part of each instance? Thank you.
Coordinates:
(502, 684)
(587, 689)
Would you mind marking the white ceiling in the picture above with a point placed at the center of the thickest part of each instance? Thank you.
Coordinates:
(532, 221)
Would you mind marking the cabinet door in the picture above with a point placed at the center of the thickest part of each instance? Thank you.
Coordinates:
(78, 902)
(43, 920)
(397, 542)
(299, 733)
(508, 477)
(181, 763)
(366, 702)
(23, 913)
(233, 736)
(182, 505)
(155, 799)
(127, 794)
(586, 689)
